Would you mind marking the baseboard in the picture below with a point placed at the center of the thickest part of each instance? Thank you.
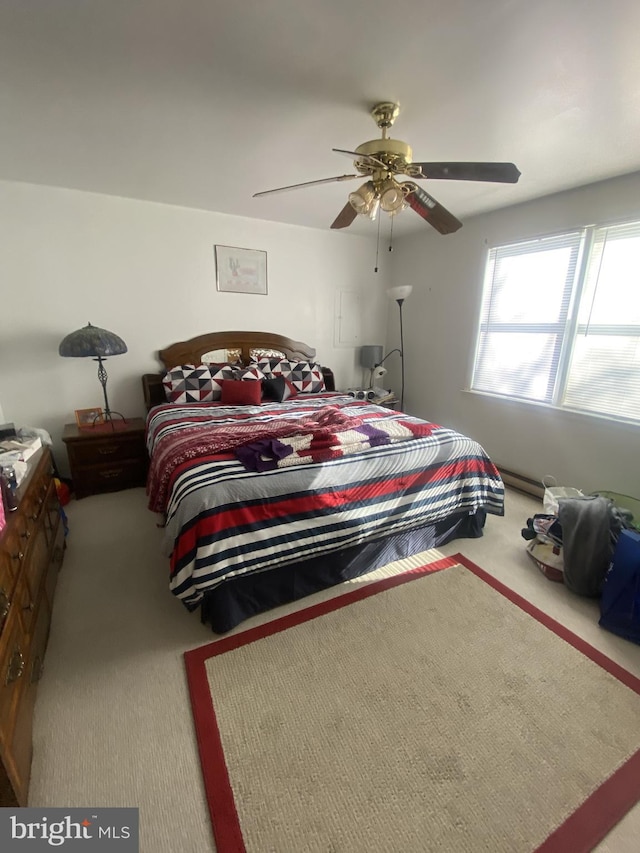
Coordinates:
(522, 483)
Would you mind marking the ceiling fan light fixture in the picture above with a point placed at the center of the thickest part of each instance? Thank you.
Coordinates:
(391, 196)
(383, 161)
(363, 199)
(397, 210)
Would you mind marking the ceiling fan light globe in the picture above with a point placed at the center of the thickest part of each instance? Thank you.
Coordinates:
(362, 199)
(398, 209)
(392, 199)
(357, 203)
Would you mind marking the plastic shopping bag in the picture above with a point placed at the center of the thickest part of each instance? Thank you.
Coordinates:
(553, 492)
(620, 602)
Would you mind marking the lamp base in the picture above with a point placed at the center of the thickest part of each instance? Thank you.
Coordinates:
(109, 419)
(109, 425)
(108, 416)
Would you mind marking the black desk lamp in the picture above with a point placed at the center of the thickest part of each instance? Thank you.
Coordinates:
(98, 344)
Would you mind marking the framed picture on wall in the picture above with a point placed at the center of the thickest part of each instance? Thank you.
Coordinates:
(241, 270)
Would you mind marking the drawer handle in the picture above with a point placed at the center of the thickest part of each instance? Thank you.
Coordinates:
(107, 451)
(109, 475)
(28, 606)
(25, 534)
(15, 668)
(5, 604)
(17, 556)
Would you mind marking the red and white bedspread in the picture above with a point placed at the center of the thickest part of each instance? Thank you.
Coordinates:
(248, 488)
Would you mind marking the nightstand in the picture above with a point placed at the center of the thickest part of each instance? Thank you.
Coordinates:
(106, 459)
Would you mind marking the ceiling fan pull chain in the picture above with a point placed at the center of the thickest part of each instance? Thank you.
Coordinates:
(391, 236)
(375, 269)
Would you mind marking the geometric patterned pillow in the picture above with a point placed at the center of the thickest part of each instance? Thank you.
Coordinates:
(251, 372)
(191, 384)
(305, 376)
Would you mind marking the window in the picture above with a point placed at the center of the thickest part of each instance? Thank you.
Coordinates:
(560, 322)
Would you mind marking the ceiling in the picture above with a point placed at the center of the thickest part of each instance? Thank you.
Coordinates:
(202, 103)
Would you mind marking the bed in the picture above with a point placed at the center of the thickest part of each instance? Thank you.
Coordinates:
(280, 486)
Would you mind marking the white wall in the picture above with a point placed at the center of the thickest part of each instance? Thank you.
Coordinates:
(440, 327)
(146, 271)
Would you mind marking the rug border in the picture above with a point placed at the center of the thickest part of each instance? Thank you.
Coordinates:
(579, 833)
(225, 822)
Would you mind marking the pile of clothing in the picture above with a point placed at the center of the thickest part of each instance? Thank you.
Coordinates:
(576, 544)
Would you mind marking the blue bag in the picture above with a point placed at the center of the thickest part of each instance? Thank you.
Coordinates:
(620, 602)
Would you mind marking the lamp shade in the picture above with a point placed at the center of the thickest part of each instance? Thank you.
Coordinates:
(91, 342)
(399, 292)
(391, 196)
(370, 355)
(365, 200)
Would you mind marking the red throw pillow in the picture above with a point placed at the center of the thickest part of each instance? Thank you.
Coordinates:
(238, 392)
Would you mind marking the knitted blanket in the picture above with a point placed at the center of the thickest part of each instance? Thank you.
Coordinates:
(326, 443)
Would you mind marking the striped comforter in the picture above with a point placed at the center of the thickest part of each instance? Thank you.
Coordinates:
(223, 520)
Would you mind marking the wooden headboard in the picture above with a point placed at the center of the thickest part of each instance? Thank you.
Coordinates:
(241, 346)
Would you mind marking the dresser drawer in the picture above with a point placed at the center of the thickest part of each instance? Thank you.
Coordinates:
(13, 552)
(95, 479)
(13, 665)
(7, 585)
(108, 451)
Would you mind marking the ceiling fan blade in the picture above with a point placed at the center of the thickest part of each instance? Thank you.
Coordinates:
(505, 173)
(308, 184)
(366, 158)
(345, 217)
(435, 214)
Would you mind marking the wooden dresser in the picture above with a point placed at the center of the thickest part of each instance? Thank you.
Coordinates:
(31, 552)
(105, 459)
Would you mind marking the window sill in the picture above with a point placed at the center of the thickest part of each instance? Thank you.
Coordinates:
(561, 411)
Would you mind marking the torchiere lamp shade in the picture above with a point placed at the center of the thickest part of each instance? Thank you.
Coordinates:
(91, 342)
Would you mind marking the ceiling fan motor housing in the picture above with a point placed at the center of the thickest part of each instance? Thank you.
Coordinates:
(396, 155)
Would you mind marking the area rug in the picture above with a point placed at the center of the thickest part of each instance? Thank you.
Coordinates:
(431, 711)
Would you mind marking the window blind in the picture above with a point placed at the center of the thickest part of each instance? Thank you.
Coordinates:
(525, 314)
(604, 368)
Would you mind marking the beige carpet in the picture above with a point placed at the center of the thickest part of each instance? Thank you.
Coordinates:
(433, 716)
(113, 726)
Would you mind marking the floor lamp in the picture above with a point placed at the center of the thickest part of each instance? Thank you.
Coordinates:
(400, 294)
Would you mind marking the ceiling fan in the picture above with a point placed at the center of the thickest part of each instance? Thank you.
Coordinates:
(384, 160)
